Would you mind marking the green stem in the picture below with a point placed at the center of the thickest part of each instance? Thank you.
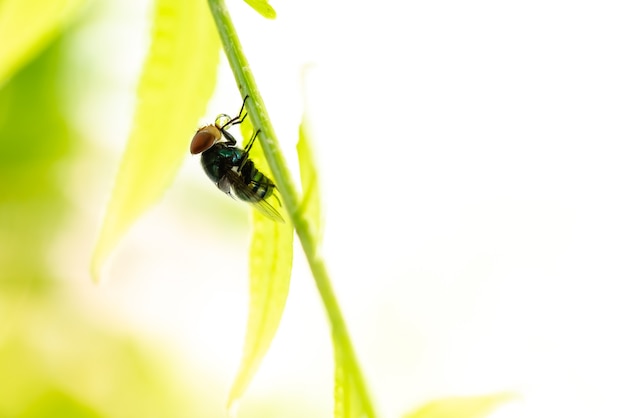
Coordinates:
(260, 119)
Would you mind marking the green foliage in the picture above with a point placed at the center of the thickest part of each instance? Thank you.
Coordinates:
(56, 360)
(28, 26)
(177, 80)
(349, 387)
(31, 202)
(347, 396)
(271, 251)
(263, 8)
(57, 403)
(310, 206)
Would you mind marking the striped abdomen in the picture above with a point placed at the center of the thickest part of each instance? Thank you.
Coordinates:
(259, 186)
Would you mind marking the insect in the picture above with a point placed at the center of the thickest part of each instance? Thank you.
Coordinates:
(230, 167)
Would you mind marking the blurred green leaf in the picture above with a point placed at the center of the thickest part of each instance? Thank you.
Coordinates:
(56, 403)
(27, 26)
(178, 78)
(271, 253)
(263, 8)
(60, 359)
(462, 406)
(310, 205)
(35, 142)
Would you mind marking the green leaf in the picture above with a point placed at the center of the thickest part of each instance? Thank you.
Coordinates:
(178, 78)
(347, 398)
(462, 406)
(27, 26)
(271, 253)
(263, 8)
(310, 205)
(57, 403)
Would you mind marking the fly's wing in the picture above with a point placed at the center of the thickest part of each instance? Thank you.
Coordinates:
(262, 205)
(224, 184)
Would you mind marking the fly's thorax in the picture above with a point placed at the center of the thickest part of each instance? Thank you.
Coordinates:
(219, 159)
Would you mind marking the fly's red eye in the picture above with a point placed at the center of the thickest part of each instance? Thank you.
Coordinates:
(204, 139)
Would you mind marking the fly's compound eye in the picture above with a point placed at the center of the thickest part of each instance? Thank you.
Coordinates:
(204, 139)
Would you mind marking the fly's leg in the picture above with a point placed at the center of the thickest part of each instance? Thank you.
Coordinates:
(251, 142)
(246, 150)
(237, 119)
(230, 139)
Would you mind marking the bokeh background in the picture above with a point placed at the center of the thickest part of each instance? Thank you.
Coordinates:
(472, 165)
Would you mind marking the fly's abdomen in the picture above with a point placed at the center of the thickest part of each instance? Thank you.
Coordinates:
(259, 186)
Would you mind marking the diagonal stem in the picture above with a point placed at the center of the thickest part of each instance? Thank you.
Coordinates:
(282, 177)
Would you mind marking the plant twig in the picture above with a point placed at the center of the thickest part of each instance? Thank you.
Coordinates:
(260, 119)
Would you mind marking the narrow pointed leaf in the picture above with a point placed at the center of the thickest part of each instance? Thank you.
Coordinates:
(263, 8)
(347, 398)
(271, 252)
(27, 26)
(177, 80)
(310, 205)
(462, 406)
(270, 273)
(347, 402)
